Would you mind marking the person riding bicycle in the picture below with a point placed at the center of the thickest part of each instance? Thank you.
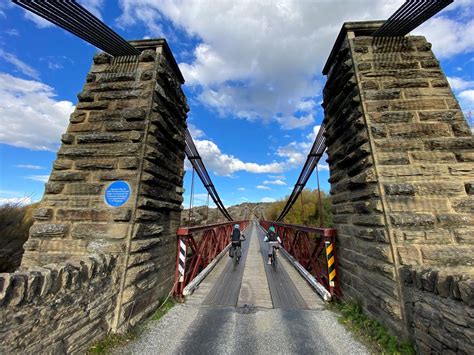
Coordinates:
(271, 236)
(236, 237)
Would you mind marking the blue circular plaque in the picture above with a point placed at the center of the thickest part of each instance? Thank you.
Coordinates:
(117, 193)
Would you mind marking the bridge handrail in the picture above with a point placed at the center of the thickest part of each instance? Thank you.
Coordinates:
(324, 232)
(196, 229)
(317, 256)
(194, 253)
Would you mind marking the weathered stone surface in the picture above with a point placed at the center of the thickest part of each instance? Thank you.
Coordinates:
(50, 230)
(67, 138)
(95, 164)
(147, 56)
(83, 189)
(96, 105)
(53, 188)
(413, 220)
(134, 114)
(43, 214)
(102, 58)
(67, 176)
(62, 164)
(77, 117)
(419, 130)
(400, 189)
(391, 117)
(129, 163)
(99, 230)
(455, 255)
(85, 96)
(78, 214)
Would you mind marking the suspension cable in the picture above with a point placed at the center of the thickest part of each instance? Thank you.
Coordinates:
(191, 198)
(207, 207)
(196, 161)
(315, 154)
(319, 199)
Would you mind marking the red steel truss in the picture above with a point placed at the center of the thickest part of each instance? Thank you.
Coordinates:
(314, 248)
(197, 247)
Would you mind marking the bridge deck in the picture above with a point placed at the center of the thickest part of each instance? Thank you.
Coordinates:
(251, 309)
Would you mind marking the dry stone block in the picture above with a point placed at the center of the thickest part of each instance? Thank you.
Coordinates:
(43, 214)
(102, 58)
(49, 230)
(67, 176)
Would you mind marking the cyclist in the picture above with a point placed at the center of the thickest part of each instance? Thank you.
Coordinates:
(236, 237)
(270, 237)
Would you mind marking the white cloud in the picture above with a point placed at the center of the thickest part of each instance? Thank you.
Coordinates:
(40, 178)
(466, 100)
(449, 35)
(281, 177)
(94, 6)
(16, 201)
(195, 132)
(292, 122)
(460, 83)
(274, 182)
(296, 153)
(256, 59)
(225, 164)
(39, 21)
(19, 64)
(12, 32)
(30, 115)
(241, 189)
(263, 187)
(267, 199)
(29, 166)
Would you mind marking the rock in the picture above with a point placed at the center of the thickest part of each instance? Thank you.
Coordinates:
(51, 230)
(102, 58)
(466, 289)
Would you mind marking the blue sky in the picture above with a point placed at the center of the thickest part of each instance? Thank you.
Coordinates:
(253, 82)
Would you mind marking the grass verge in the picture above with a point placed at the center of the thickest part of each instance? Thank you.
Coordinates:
(113, 341)
(370, 331)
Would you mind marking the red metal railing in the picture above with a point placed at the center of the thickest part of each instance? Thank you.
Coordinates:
(197, 247)
(314, 248)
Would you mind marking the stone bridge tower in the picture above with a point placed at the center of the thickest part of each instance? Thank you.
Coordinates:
(401, 170)
(128, 126)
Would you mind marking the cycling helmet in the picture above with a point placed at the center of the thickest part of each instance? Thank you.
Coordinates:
(236, 226)
(272, 229)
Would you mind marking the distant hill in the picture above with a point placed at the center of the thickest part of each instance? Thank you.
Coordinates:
(306, 213)
(247, 210)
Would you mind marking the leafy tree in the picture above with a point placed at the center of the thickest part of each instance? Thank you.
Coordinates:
(306, 210)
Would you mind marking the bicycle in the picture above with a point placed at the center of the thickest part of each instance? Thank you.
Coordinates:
(236, 252)
(274, 246)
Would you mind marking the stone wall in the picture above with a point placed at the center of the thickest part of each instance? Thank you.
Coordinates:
(128, 125)
(57, 308)
(401, 161)
(441, 306)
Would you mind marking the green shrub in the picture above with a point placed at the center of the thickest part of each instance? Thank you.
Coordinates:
(15, 222)
(372, 331)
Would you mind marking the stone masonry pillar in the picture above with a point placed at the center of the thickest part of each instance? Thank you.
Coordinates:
(128, 126)
(401, 171)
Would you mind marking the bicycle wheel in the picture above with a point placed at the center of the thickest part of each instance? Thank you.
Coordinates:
(274, 258)
(236, 256)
